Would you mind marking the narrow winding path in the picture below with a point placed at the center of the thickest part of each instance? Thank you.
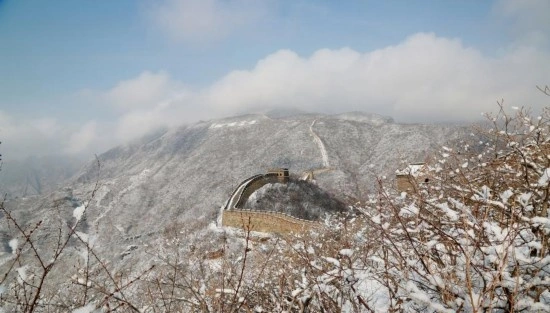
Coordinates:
(319, 142)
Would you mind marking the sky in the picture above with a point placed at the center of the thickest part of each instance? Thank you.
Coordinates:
(78, 77)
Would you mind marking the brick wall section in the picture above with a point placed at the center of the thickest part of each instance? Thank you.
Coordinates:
(236, 189)
(271, 222)
(254, 185)
(410, 183)
(262, 221)
(404, 183)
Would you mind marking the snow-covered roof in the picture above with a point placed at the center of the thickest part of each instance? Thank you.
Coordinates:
(411, 169)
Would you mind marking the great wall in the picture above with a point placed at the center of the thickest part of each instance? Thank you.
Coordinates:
(262, 221)
(234, 215)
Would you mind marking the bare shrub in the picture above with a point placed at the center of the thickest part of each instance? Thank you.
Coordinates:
(42, 276)
(476, 237)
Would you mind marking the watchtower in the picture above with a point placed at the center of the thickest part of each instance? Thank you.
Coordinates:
(281, 173)
(413, 174)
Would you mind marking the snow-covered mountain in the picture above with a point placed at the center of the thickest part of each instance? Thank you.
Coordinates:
(189, 172)
(36, 175)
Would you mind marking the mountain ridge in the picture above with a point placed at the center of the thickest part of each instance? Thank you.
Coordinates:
(188, 173)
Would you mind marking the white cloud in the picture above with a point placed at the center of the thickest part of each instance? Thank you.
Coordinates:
(205, 20)
(138, 123)
(528, 20)
(141, 91)
(425, 78)
(81, 140)
(23, 136)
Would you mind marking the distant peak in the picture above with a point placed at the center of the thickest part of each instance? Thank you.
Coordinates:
(282, 113)
(363, 117)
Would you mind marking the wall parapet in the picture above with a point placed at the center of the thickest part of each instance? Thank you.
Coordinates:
(265, 221)
(234, 193)
(252, 186)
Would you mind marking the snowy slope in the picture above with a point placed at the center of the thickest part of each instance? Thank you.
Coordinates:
(189, 172)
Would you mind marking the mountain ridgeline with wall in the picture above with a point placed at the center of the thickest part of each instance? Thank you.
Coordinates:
(128, 220)
(277, 202)
(186, 174)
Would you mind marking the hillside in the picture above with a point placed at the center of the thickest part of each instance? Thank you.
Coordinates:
(479, 227)
(36, 175)
(297, 198)
(188, 173)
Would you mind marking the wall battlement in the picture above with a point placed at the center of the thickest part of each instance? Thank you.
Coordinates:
(254, 185)
(262, 221)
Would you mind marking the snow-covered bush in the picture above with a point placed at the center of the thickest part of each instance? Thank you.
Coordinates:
(475, 238)
(327, 270)
(53, 266)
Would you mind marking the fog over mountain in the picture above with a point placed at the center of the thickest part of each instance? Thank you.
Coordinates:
(188, 173)
(37, 175)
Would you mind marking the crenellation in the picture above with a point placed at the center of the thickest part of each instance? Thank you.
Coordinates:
(264, 221)
(273, 222)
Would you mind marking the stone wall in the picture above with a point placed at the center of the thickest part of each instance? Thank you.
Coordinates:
(271, 222)
(262, 221)
(408, 183)
(254, 185)
(255, 177)
(405, 183)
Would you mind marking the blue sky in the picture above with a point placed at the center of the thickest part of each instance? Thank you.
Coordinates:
(81, 76)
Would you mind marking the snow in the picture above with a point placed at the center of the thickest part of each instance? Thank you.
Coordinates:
(333, 261)
(13, 245)
(135, 182)
(83, 236)
(232, 124)
(89, 308)
(374, 119)
(506, 195)
(376, 219)
(423, 297)
(453, 215)
(543, 180)
(411, 169)
(21, 274)
(483, 194)
(226, 290)
(408, 210)
(319, 142)
(541, 221)
(524, 199)
(78, 212)
(346, 252)
(332, 266)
